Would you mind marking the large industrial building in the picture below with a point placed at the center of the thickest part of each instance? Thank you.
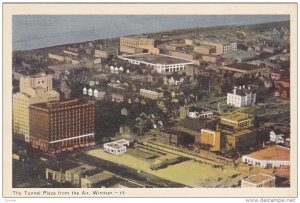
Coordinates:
(61, 126)
(161, 63)
(36, 89)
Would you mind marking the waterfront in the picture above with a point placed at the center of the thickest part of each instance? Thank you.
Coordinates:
(35, 31)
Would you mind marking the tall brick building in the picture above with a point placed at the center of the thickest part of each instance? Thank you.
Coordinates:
(62, 126)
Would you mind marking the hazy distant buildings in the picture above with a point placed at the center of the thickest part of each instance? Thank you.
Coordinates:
(136, 44)
(33, 90)
(241, 97)
(62, 126)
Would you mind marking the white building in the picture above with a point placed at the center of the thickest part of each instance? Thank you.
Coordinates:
(270, 157)
(117, 147)
(202, 115)
(241, 97)
(161, 63)
(276, 138)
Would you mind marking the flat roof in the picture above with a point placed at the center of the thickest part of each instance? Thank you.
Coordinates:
(64, 67)
(276, 152)
(244, 66)
(236, 134)
(239, 54)
(256, 179)
(237, 116)
(156, 59)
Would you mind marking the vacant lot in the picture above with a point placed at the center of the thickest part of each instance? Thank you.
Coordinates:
(189, 173)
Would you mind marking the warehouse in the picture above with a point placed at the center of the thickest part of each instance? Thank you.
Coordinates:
(162, 63)
(270, 157)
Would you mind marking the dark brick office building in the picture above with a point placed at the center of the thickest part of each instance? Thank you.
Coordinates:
(62, 126)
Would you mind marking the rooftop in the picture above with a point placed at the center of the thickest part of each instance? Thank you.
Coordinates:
(239, 55)
(256, 179)
(236, 134)
(64, 67)
(244, 66)
(156, 59)
(58, 105)
(276, 152)
(237, 116)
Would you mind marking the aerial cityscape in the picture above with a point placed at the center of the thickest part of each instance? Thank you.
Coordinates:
(200, 107)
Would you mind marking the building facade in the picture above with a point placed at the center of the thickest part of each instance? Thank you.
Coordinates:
(211, 137)
(39, 80)
(62, 126)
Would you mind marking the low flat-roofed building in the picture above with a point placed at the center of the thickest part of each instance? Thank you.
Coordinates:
(117, 147)
(151, 94)
(239, 55)
(56, 56)
(161, 63)
(205, 49)
(259, 180)
(245, 68)
(274, 156)
(237, 120)
(183, 55)
(89, 180)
